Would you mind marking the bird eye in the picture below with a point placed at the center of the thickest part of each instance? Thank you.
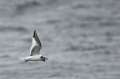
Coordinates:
(41, 57)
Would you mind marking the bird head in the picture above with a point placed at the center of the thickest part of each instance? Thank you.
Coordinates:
(43, 58)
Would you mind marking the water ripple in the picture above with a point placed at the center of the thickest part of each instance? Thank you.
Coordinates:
(13, 29)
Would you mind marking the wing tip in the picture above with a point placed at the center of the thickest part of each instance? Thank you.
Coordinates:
(35, 36)
(34, 33)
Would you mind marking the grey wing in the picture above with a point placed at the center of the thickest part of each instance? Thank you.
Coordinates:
(35, 50)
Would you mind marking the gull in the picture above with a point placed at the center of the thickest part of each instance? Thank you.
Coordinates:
(35, 50)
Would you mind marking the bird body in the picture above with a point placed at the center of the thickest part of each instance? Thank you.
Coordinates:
(33, 58)
(35, 50)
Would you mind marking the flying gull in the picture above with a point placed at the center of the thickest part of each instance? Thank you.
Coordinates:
(35, 50)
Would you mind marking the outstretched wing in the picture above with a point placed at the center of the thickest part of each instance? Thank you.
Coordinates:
(35, 36)
(36, 45)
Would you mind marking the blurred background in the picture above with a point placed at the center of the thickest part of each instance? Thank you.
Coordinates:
(81, 38)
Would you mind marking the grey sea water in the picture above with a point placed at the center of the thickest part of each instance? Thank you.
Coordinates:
(81, 39)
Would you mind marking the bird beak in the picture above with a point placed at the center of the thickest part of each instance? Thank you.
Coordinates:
(46, 59)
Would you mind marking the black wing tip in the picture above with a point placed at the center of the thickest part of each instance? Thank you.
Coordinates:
(34, 30)
(34, 34)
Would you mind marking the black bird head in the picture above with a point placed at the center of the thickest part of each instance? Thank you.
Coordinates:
(43, 58)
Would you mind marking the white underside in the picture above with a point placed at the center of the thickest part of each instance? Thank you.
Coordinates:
(33, 58)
